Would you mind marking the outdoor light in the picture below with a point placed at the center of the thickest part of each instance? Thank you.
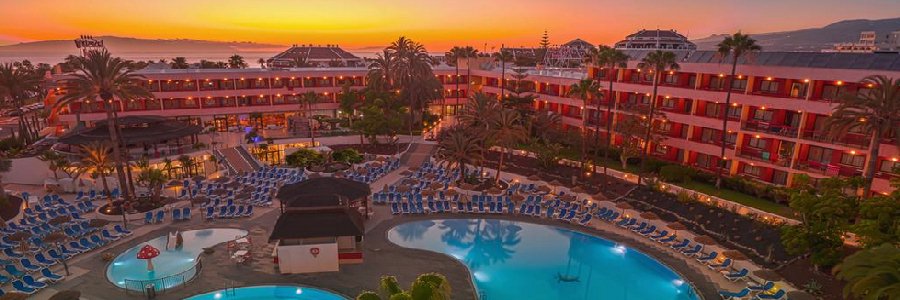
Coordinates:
(769, 78)
(839, 82)
(853, 152)
(805, 80)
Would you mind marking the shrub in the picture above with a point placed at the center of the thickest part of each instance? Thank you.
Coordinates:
(304, 158)
(676, 173)
(349, 156)
(654, 165)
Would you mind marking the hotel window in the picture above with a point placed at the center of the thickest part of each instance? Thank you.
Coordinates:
(208, 85)
(738, 84)
(692, 80)
(634, 77)
(278, 99)
(226, 84)
(731, 139)
(669, 103)
(169, 86)
(665, 127)
(752, 170)
(863, 91)
(210, 102)
(661, 149)
(574, 111)
(294, 83)
(734, 112)
(277, 83)
(601, 73)
(152, 104)
(703, 160)
(831, 92)
(757, 143)
(671, 79)
(712, 109)
(819, 154)
(762, 115)
(189, 85)
(768, 86)
(888, 166)
(645, 100)
(716, 83)
(708, 135)
(853, 160)
(798, 90)
(648, 77)
(779, 177)
(243, 84)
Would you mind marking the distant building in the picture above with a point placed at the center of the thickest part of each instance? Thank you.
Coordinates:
(867, 44)
(314, 56)
(891, 42)
(656, 39)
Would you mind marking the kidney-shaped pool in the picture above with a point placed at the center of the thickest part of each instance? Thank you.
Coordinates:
(517, 260)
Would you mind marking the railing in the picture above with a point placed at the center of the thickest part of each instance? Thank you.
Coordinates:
(220, 158)
(855, 140)
(766, 127)
(159, 285)
(827, 169)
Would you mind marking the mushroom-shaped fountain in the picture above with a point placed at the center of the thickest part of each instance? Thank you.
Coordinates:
(148, 252)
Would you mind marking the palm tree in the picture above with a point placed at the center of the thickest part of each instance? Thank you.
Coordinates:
(541, 124)
(100, 75)
(381, 71)
(507, 131)
(503, 56)
(95, 157)
(309, 98)
(178, 63)
(16, 86)
(479, 111)
(187, 165)
(453, 56)
(261, 62)
(405, 67)
(737, 46)
(153, 179)
(609, 58)
(585, 89)
(236, 62)
(876, 111)
(872, 273)
(54, 161)
(655, 62)
(429, 286)
(461, 147)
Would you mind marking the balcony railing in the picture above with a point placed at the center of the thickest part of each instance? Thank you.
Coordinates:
(761, 155)
(766, 127)
(855, 140)
(827, 168)
(713, 141)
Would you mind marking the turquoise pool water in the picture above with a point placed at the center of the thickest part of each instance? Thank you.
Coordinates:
(269, 292)
(517, 260)
(170, 261)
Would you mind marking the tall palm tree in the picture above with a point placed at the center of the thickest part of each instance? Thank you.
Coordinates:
(236, 62)
(178, 63)
(429, 286)
(17, 85)
(381, 71)
(308, 99)
(541, 124)
(405, 67)
(503, 56)
(736, 46)
(876, 112)
(460, 147)
(871, 274)
(479, 111)
(585, 89)
(453, 56)
(262, 63)
(507, 130)
(96, 158)
(655, 62)
(609, 58)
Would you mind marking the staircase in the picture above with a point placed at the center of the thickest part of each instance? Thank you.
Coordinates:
(238, 160)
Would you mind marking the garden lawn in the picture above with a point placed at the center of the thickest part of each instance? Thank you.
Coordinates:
(748, 200)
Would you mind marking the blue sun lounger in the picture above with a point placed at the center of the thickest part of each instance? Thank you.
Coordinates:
(21, 288)
(668, 239)
(41, 259)
(777, 295)
(705, 258)
(33, 283)
(735, 276)
(12, 270)
(52, 277)
(725, 264)
(394, 209)
(28, 265)
(659, 235)
(764, 287)
(732, 295)
(148, 217)
(176, 215)
(681, 245)
(693, 251)
(648, 230)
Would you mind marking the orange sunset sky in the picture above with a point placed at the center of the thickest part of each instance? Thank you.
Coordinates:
(439, 24)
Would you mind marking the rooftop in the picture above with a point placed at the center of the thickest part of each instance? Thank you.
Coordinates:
(316, 224)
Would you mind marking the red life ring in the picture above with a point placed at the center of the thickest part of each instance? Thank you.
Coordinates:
(314, 251)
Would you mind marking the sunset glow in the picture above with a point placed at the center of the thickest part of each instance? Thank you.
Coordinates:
(438, 24)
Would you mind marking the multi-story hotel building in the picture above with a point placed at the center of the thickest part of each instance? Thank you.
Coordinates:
(776, 124)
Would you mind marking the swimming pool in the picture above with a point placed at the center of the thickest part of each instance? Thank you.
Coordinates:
(269, 292)
(518, 260)
(126, 269)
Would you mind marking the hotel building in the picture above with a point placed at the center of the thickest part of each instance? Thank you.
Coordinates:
(777, 127)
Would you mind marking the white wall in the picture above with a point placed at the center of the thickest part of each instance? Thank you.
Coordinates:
(28, 170)
(298, 259)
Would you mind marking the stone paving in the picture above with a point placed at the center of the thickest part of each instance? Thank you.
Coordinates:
(381, 257)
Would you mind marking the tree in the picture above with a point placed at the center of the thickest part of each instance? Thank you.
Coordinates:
(879, 220)
(584, 90)
(300, 62)
(100, 75)
(542, 124)
(348, 102)
(872, 274)
(522, 96)
(304, 158)
(429, 286)
(180, 63)
(875, 110)
(236, 62)
(18, 84)
(507, 130)
(381, 116)
(187, 165)
(55, 162)
(656, 63)
(262, 63)
(308, 99)
(460, 147)
(632, 130)
(736, 46)
(609, 58)
(544, 46)
(479, 111)
(95, 157)
(503, 56)
(452, 57)
(406, 66)
(154, 180)
(825, 214)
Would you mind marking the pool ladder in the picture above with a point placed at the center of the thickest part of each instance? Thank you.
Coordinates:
(229, 289)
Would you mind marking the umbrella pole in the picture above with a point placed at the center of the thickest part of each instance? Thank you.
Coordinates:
(64, 262)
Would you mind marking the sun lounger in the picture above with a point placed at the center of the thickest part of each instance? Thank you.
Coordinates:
(41, 259)
(648, 230)
(764, 287)
(52, 277)
(725, 264)
(33, 283)
(681, 245)
(735, 276)
(28, 265)
(20, 287)
(735, 295)
(777, 295)
(12, 270)
(705, 258)
(148, 217)
(160, 215)
(693, 251)
(176, 215)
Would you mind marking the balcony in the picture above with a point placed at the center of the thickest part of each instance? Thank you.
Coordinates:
(766, 127)
(827, 168)
(762, 156)
(856, 140)
(713, 141)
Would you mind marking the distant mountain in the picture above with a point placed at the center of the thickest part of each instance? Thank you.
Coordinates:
(813, 39)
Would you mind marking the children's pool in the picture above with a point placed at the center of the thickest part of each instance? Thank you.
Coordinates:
(269, 292)
(173, 266)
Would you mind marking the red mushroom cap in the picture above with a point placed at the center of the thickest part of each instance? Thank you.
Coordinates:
(148, 252)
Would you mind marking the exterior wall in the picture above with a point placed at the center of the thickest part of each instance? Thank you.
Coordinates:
(299, 259)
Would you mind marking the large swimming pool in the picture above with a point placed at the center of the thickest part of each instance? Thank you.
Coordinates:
(126, 269)
(269, 292)
(517, 260)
